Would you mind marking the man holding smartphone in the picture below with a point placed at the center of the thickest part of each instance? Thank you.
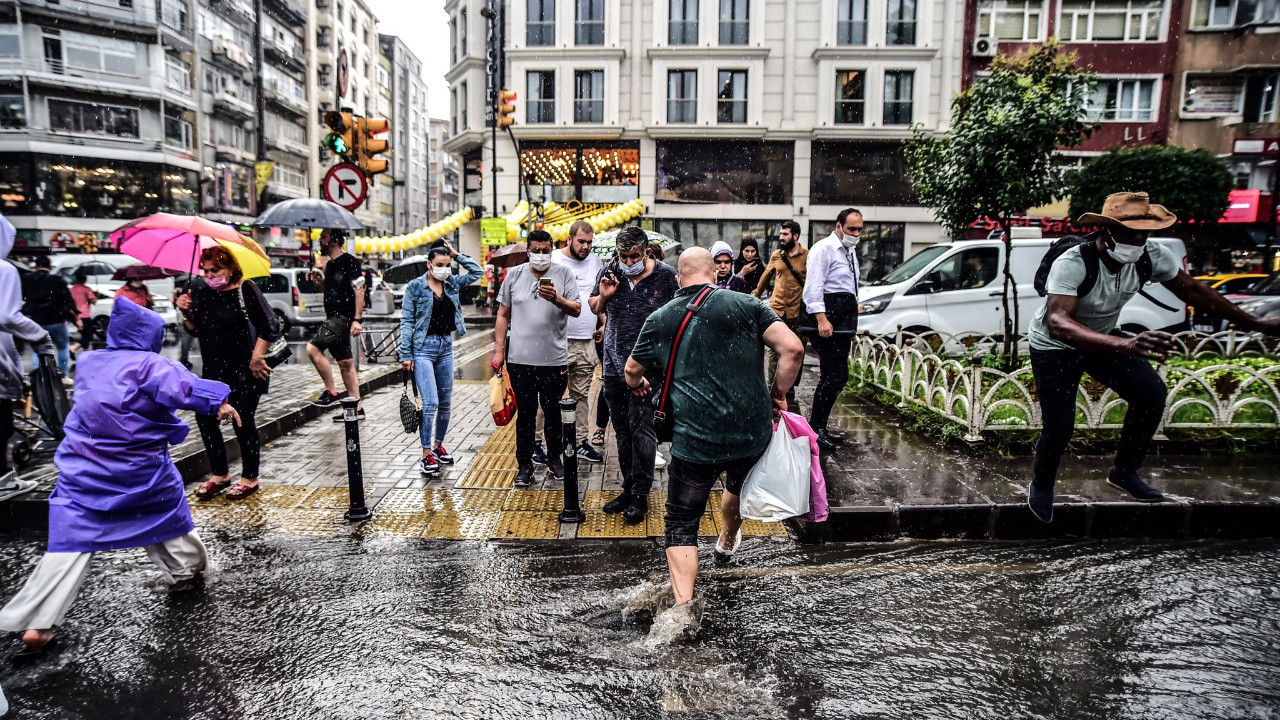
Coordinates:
(343, 285)
(534, 305)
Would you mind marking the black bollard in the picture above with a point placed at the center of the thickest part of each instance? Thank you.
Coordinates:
(572, 512)
(355, 472)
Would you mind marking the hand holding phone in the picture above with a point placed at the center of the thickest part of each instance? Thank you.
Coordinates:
(547, 289)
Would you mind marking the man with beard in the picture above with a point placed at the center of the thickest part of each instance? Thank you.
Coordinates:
(786, 272)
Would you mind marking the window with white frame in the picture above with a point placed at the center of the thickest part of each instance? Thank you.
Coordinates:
(1212, 13)
(900, 25)
(93, 118)
(463, 100)
(1092, 20)
(851, 97)
(899, 95)
(588, 96)
(1260, 98)
(682, 96)
(541, 105)
(1115, 100)
(177, 75)
(453, 41)
(851, 22)
(734, 22)
(682, 22)
(1010, 19)
(589, 29)
(10, 41)
(1233, 13)
(541, 22)
(177, 133)
(731, 100)
(104, 54)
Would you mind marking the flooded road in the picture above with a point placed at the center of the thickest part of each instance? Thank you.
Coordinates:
(293, 627)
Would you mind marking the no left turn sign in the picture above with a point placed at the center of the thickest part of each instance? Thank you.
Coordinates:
(345, 185)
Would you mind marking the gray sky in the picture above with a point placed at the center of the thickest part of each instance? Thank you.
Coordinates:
(424, 27)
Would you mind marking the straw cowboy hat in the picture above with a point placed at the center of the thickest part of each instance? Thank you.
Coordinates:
(1133, 210)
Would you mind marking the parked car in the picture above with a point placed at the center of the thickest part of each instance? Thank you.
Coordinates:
(98, 269)
(295, 298)
(1228, 284)
(1262, 298)
(100, 313)
(956, 287)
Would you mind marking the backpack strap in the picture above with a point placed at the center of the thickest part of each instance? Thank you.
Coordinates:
(787, 262)
(691, 309)
(1089, 254)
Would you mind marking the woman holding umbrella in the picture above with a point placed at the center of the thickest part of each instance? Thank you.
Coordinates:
(430, 316)
(234, 325)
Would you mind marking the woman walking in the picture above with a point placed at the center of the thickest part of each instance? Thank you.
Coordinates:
(85, 298)
(431, 313)
(234, 324)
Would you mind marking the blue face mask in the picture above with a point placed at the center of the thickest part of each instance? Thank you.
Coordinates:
(632, 270)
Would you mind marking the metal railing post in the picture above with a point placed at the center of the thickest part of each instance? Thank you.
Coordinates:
(572, 512)
(355, 471)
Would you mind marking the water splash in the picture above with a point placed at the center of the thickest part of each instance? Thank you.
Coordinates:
(679, 623)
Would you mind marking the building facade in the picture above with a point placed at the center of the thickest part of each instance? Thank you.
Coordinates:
(409, 135)
(725, 118)
(444, 174)
(98, 117)
(287, 102)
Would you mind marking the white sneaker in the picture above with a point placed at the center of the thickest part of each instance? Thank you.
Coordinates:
(659, 462)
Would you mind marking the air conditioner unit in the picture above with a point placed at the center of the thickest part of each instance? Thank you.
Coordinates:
(985, 47)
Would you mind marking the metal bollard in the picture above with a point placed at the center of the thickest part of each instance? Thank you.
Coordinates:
(355, 472)
(572, 512)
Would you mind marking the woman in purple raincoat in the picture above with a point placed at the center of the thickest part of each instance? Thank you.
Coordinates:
(117, 486)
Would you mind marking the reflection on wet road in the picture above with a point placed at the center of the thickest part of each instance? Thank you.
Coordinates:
(295, 627)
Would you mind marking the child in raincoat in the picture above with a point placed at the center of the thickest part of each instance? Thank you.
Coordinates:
(117, 486)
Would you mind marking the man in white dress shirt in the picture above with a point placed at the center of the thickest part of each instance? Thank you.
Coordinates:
(831, 299)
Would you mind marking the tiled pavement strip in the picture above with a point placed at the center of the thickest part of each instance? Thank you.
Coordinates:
(305, 491)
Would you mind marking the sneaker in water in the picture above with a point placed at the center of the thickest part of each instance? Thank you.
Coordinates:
(1132, 484)
(539, 455)
(443, 455)
(429, 465)
(524, 478)
(588, 453)
(326, 399)
(679, 624)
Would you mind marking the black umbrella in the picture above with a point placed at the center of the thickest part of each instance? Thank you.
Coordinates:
(143, 272)
(411, 268)
(308, 213)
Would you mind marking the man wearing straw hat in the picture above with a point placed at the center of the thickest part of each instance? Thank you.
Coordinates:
(1074, 333)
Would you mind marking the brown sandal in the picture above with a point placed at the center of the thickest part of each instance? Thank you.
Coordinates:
(212, 488)
(240, 492)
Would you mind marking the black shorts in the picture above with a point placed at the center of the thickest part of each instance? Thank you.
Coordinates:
(334, 335)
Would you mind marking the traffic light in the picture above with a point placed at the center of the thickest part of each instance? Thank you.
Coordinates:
(341, 141)
(368, 146)
(506, 116)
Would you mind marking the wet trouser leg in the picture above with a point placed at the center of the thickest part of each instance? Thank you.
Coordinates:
(1057, 377)
(833, 366)
(246, 404)
(633, 429)
(1139, 385)
(536, 387)
(688, 487)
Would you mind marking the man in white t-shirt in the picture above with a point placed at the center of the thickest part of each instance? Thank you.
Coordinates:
(1074, 333)
(582, 331)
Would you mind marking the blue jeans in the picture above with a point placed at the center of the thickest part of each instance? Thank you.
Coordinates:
(433, 372)
(62, 343)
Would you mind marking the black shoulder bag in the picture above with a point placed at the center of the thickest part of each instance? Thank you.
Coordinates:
(277, 352)
(663, 423)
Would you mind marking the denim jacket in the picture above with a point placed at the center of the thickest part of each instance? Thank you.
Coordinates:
(415, 313)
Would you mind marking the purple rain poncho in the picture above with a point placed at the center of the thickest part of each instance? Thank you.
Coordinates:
(117, 487)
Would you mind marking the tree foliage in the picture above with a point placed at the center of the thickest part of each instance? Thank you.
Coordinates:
(1193, 184)
(998, 157)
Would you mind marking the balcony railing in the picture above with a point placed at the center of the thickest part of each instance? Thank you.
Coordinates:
(142, 12)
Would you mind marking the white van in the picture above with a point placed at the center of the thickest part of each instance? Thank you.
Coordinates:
(955, 288)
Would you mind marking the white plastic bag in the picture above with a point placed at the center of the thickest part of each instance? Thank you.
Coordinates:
(778, 486)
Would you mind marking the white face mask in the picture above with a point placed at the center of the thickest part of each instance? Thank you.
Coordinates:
(849, 241)
(1126, 254)
(632, 270)
(540, 261)
(440, 272)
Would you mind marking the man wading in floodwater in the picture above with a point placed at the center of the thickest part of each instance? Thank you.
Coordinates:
(1086, 288)
(720, 403)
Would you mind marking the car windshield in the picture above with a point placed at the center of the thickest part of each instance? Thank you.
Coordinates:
(913, 265)
(1267, 286)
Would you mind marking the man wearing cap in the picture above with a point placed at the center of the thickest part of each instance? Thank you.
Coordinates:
(1074, 333)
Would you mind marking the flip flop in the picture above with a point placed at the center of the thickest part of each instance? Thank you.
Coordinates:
(211, 489)
(240, 492)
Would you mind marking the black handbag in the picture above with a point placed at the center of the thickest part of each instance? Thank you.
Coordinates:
(410, 406)
(842, 313)
(663, 423)
(277, 352)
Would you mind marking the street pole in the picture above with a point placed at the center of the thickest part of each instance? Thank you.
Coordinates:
(1275, 209)
(572, 512)
(355, 471)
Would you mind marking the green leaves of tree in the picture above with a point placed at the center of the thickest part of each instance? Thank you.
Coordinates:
(1193, 184)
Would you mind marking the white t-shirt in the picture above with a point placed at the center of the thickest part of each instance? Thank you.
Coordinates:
(585, 272)
(1100, 309)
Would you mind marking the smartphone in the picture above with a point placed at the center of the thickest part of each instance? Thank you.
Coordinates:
(546, 282)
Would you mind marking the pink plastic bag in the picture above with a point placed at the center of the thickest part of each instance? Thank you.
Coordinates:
(799, 427)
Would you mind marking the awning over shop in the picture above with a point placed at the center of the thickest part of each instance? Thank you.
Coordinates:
(1248, 206)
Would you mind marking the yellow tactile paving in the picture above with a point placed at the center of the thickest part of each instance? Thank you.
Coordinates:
(534, 500)
(461, 525)
(600, 525)
(496, 479)
(471, 499)
(504, 447)
(527, 526)
(269, 495)
(397, 524)
(319, 523)
(330, 498)
(485, 461)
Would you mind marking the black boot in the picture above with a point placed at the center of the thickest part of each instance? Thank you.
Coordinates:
(618, 504)
(636, 511)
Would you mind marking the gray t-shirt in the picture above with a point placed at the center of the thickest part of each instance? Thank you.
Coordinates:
(1100, 309)
(538, 328)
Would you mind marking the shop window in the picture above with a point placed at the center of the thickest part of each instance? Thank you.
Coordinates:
(731, 101)
(879, 249)
(682, 22)
(734, 22)
(110, 189)
(591, 174)
(705, 233)
(541, 27)
(93, 118)
(1010, 19)
(541, 103)
(899, 95)
(682, 96)
(851, 22)
(589, 29)
(725, 172)
(859, 173)
(900, 27)
(851, 97)
(15, 184)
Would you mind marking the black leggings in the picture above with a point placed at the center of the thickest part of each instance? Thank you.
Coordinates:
(246, 403)
(6, 432)
(833, 367)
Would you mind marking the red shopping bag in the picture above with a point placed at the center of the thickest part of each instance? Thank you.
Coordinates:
(502, 399)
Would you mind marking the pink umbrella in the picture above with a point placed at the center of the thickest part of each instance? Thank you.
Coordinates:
(175, 241)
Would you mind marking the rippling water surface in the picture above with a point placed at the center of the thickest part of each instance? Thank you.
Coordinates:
(301, 628)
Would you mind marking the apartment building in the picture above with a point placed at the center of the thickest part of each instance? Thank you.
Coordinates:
(725, 118)
(443, 173)
(409, 135)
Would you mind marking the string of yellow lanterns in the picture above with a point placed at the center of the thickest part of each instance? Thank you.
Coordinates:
(366, 245)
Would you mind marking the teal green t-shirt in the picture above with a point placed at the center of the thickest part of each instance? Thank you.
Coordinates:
(719, 397)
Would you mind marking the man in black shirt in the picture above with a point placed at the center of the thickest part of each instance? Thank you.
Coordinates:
(343, 285)
(47, 300)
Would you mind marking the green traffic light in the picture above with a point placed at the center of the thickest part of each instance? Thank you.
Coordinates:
(335, 143)
(524, 233)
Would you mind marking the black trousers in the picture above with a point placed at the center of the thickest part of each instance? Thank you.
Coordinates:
(688, 487)
(246, 403)
(1057, 374)
(537, 386)
(833, 369)
(6, 432)
(633, 429)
